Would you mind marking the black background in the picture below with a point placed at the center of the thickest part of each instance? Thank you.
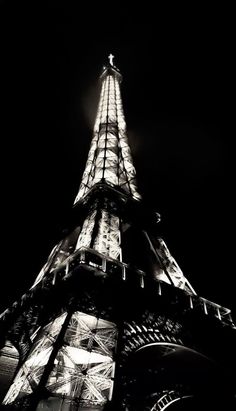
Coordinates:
(178, 92)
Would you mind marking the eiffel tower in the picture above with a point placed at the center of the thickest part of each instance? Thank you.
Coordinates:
(111, 322)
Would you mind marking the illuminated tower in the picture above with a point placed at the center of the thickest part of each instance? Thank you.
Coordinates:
(111, 322)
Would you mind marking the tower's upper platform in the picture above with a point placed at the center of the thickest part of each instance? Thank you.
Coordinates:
(109, 159)
(111, 69)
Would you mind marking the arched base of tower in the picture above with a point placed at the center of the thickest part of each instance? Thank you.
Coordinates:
(174, 401)
(163, 376)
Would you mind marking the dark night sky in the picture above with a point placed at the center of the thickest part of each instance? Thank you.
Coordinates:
(177, 87)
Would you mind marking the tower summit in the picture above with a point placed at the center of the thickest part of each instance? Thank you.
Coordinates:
(110, 57)
(109, 159)
(111, 321)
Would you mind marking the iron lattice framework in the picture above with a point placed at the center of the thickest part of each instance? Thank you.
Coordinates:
(109, 156)
(105, 324)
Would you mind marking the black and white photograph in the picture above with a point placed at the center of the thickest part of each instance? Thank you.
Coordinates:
(117, 145)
